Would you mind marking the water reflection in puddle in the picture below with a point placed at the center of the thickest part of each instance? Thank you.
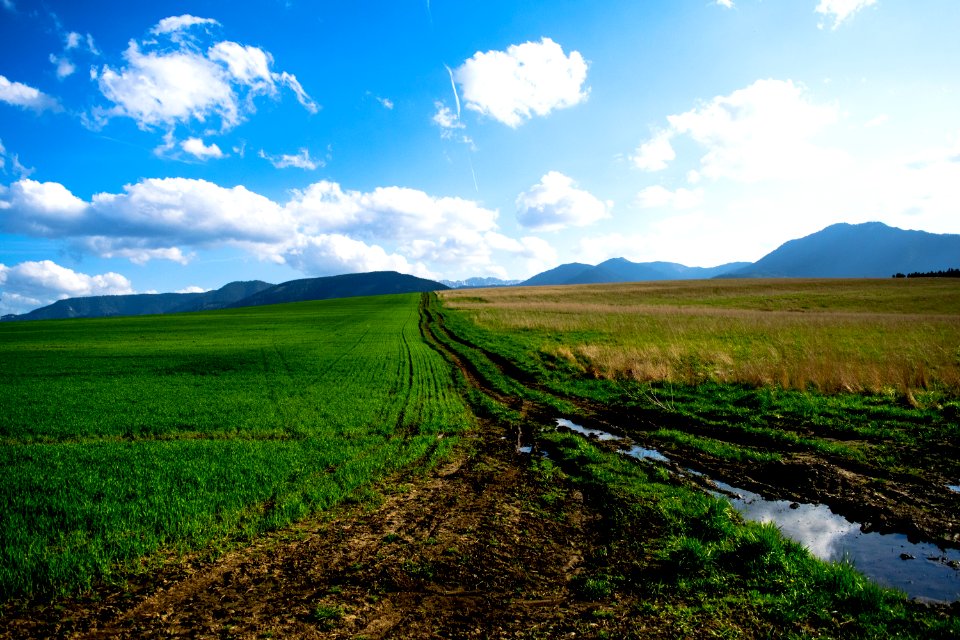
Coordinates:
(920, 570)
(590, 433)
(635, 451)
(640, 453)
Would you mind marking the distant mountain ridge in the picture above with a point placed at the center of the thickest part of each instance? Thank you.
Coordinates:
(622, 270)
(140, 304)
(868, 250)
(476, 283)
(235, 294)
(348, 285)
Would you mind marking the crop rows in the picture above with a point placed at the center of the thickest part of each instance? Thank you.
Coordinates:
(124, 439)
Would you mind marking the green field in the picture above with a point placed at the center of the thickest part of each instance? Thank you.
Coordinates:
(127, 437)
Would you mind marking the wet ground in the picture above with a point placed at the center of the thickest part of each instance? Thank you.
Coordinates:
(920, 569)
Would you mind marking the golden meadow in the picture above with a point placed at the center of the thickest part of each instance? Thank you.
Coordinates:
(879, 336)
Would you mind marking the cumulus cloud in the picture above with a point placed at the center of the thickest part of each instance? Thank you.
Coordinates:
(164, 86)
(196, 148)
(727, 4)
(841, 10)
(533, 78)
(150, 215)
(321, 229)
(34, 284)
(299, 160)
(655, 154)
(763, 131)
(336, 253)
(556, 203)
(26, 97)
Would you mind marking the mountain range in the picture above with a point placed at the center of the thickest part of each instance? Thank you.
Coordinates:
(869, 250)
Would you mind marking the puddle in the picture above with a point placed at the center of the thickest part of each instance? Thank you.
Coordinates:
(928, 572)
(635, 451)
(589, 433)
(641, 453)
(954, 487)
(922, 570)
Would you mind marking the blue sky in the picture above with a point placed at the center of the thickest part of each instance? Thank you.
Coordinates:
(177, 146)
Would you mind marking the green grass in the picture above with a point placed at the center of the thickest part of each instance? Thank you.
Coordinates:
(125, 438)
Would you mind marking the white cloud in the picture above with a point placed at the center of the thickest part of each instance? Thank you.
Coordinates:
(166, 88)
(148, 220)
(33, 284)
(656, 154)
(163, 86)
(290, 81)
(192, 289)
(877, 121)
(179, 23)
(300, 160)
(248, 65)
(555, 203)
(445, 118)
(386, 103)
(196, 148)
(764, 131)
(65, 67)
(322, 229)
(336, 253)
(841, 10)
(727, 4)
(659, 197)
(136, 250)
(528, 79)
(26, 97)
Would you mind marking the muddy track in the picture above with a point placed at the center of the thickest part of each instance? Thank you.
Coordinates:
(922, 508)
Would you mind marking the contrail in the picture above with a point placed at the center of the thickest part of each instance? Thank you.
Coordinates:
(475, 185)
(453, 85)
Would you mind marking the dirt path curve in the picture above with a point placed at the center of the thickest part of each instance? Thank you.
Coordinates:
(469, 549)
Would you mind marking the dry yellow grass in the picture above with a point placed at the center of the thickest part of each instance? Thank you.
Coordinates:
(831, 335)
